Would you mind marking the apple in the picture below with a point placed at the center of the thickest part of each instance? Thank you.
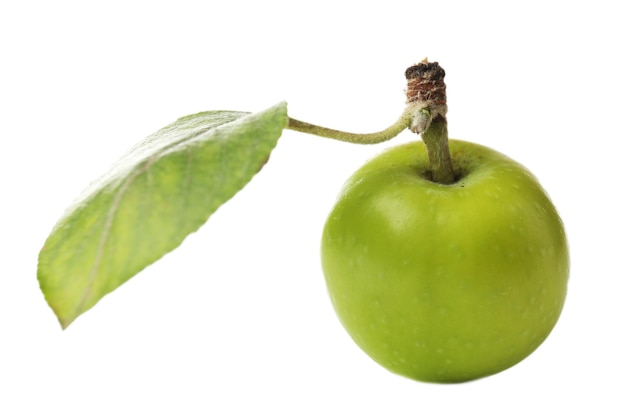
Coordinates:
(445, 282)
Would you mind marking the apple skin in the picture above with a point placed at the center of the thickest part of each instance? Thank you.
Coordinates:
(445, 283)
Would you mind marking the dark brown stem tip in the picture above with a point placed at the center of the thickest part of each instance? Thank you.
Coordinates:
(425, 83)
(425, 70)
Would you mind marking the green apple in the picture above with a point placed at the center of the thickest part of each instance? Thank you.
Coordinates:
(445, 283)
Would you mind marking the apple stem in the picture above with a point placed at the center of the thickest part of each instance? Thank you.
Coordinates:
(425, 114)
(435, 137)
(367, 138)
(427, 108)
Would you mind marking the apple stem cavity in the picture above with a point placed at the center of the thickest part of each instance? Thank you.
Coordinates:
(427, 109)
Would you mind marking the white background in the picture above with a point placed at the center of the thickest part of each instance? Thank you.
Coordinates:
(238, 318)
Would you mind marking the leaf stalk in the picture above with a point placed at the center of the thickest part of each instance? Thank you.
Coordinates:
(367, 138)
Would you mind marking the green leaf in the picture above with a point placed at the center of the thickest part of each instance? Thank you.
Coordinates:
(161, 191)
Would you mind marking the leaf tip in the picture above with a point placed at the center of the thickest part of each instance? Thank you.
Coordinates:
(44, 287)
(65, 323)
